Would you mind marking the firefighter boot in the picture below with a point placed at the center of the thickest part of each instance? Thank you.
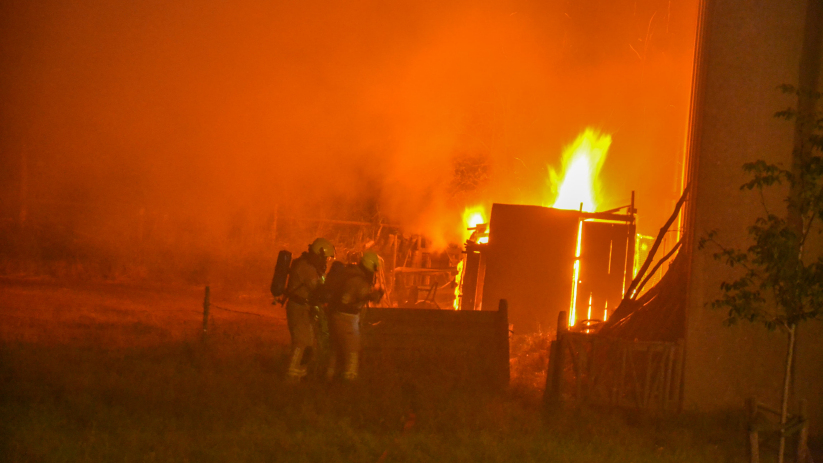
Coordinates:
(350, 374)
(296, 371)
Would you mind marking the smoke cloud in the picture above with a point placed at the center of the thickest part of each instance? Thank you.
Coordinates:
(211, 112)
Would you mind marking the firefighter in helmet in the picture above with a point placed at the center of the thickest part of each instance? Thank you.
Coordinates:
(356, 289)
(306, 277)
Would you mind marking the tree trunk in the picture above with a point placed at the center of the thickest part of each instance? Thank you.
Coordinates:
(786, 384)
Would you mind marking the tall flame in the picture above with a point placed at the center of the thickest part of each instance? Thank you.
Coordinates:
(578, 189)
(582, 161)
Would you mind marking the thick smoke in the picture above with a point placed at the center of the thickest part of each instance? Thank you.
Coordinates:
(208, 114)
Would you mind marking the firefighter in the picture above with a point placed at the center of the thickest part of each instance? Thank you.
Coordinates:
(306, 277)
(356, 289)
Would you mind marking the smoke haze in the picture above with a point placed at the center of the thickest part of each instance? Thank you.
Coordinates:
(213, 112)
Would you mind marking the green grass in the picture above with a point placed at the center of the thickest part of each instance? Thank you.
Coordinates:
(185, 402)
(113, 374)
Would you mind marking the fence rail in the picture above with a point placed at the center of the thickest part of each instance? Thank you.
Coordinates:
(612, 371)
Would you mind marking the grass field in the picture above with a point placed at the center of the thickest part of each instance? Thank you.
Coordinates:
(113, 372)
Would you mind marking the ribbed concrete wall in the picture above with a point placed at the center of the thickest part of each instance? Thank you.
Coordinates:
(745, 49)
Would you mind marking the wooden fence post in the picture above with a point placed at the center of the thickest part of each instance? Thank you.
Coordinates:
(206, 304)
(554, 371)
(754, 443)
(803, 437)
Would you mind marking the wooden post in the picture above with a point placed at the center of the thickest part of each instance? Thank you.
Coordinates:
(503, 333)
(206, 304)
(667, 383)
(470, 276)
(803, 437)
(754, 445)
(392, 263)
(591, 368)
(554, 372)
(628, 274)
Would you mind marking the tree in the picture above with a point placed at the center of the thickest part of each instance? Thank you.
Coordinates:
(780, 284)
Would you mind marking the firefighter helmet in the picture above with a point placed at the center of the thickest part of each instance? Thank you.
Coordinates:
(322, 247)
(370, 261)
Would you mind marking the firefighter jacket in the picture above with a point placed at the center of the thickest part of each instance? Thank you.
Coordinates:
(305, 280)
(356, 291)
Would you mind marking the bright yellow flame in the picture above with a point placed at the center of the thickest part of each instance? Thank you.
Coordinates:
(472, 217)
(484, 238)
(458, 290)
(573, 311)
(589, 314)
(475, 220)
(582, 161)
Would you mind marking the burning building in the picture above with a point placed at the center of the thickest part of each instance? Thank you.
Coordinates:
(152, 141)
(544, 260)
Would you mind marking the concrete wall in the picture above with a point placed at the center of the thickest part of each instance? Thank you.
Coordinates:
(745, 49)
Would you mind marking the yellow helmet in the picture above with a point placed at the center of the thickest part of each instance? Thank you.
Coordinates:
(370, 261)
(322, 247)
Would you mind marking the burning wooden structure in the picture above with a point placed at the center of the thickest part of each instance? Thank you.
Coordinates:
(636, 357)
(546, 260)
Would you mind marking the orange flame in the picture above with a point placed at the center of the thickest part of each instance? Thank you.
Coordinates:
(458, 290)
(472, 217)
(582, 161)
(573, 310)
(578, 188)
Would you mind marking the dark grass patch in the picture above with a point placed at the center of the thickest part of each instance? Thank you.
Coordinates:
(114, 373)
(190, 402)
